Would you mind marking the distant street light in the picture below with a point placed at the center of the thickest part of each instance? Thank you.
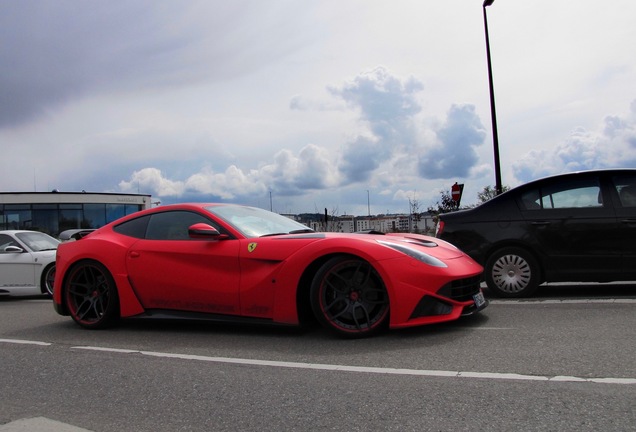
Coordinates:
(493, 114)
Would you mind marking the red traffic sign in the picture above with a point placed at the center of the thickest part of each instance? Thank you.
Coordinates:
(456, 192)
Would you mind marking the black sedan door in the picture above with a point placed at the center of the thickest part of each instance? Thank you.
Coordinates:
(574, 225)
(625, 186)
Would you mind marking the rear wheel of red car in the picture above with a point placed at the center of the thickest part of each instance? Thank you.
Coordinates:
(349, 298)
(512, 272)
(91, 295)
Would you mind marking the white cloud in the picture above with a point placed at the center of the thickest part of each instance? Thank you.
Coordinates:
(287, 175)
(387, 105)
(291, 175)
(233, 101)
(454, 153)
(612, 146)
(152, 179)
(67, 49)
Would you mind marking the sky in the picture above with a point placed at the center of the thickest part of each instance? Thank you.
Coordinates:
(354, 106)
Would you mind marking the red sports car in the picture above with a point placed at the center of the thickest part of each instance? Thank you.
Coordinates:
(231, 262)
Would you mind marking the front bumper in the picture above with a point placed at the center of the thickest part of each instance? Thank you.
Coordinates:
(459, 297)
(464, 294)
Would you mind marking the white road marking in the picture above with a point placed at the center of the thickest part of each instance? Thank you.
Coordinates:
(39, 424)
(363, 369)
(378, 370)
(24, 342)
(574, 301)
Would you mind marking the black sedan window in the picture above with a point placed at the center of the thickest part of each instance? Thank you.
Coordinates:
(627, 195)
(626, 189)
(531, 199)
(573, 194)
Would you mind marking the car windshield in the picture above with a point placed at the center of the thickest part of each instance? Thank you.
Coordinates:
(37, 241)
(255, 222)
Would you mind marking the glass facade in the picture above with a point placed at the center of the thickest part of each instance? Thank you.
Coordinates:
(55, 218)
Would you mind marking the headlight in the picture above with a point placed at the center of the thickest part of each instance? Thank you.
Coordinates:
(414, 253)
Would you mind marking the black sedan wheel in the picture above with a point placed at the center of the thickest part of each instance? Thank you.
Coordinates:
(48, 278)
(91, 295)
(349, 297)
(512, 272)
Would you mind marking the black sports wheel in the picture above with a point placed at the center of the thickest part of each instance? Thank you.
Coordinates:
(349, 297)
(91, 295)
(512, 272)
(48, 278)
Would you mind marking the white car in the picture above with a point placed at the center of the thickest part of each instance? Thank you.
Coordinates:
(27, 263)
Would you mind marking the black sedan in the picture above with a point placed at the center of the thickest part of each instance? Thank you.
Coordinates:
(577, 227)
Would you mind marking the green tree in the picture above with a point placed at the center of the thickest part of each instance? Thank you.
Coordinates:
(446, 204)
(489, 193)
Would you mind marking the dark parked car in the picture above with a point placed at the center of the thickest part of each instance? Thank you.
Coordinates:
(572, 227)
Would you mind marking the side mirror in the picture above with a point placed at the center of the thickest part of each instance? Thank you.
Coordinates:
(205, 231)
(13, 249)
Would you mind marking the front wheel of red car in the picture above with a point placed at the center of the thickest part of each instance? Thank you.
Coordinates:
(512, 272)
(349, 298)
(91, 295)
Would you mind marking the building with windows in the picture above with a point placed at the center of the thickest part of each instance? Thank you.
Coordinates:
(422, 223)
(54, 212)
(344, 224)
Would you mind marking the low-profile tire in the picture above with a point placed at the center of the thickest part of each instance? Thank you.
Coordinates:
(47, 279)
(512, 272)
(348, 297)
(91, 296)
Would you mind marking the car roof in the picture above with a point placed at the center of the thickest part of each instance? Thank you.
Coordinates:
(555, 177)
(582, 173)
(185, 205)
(573, 174)
(166, 208)
(20, 231)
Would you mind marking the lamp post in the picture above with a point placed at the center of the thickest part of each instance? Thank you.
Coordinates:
(493, 114)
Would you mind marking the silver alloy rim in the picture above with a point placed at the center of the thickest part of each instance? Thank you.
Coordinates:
(511, 273)
(49, 279)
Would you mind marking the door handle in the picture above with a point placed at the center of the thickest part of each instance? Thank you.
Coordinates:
(134, 254)
(542, 223)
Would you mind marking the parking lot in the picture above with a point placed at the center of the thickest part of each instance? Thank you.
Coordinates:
(561, 361)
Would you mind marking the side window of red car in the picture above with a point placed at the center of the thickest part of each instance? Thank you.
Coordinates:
(173, 225)
(134, 227)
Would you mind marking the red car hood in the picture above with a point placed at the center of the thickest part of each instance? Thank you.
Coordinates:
(429, 245)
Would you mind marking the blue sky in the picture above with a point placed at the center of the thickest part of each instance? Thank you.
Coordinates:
(318, 104)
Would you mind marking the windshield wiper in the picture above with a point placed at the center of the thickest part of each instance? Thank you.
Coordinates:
(273, 234)
(301, 231)
(298, 231)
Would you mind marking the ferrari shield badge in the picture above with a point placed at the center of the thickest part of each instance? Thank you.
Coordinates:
(251, 247)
